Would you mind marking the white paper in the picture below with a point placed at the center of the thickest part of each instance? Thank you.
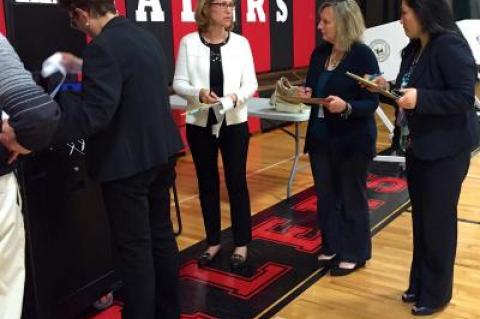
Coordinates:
(52, 65)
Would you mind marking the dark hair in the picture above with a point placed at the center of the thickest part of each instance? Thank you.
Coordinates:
(435, 17)
(100, 7)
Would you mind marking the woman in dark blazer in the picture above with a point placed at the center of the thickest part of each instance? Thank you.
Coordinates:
(341, 136)
(132, 141)
(438, 77)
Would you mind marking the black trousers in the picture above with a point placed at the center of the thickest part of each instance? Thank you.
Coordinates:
(146, 250)
(434, 188)
(343, 213)
(233, 145)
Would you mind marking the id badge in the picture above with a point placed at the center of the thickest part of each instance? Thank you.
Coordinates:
(321, 112)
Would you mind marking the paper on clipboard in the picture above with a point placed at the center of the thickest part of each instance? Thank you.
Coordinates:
(305, 100)
(372, 84)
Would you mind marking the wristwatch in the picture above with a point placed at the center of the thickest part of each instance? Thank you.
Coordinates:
(346, 113)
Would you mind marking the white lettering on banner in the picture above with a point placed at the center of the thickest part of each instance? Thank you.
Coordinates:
(156, 15)
(187, 12)
(255, 5)
(282, 12)
(37, 1)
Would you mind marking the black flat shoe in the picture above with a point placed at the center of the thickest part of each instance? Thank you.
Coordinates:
(206, 259)
(425, 311)
(238, 261)
(409, 297)
(336, 271)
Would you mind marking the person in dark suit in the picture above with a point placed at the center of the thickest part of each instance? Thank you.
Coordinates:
(132, 142)
(436, 117)
(341, 136)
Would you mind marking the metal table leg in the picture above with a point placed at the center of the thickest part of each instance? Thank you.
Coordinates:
(177, 210)
(295, 161)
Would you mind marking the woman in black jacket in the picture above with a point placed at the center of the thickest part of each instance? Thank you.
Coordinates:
(341, 136)
(437, 77)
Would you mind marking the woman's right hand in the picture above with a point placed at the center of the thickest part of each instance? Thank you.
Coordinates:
(207, 96)
(379, 81)
(72, 63)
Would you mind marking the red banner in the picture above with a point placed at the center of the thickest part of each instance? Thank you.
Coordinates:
(256, 28)
(181, 28)
(304, 31)
(3, 28)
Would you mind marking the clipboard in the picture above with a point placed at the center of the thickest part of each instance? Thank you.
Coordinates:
(305, 100)
(371, 84)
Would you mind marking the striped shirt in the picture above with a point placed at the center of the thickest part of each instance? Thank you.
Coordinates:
(33, 114)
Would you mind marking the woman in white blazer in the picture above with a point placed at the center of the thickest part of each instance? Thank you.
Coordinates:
(215, 66)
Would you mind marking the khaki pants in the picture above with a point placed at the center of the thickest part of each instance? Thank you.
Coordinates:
(12, 249)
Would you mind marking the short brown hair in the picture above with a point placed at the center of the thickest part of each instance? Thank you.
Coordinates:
(349, 22)
(202, 18)
(100, 7)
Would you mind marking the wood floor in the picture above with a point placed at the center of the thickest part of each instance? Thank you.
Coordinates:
(370, 293)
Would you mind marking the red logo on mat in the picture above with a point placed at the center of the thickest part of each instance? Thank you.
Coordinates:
(308, 205)
(279, 230)
(197, 315)
(375, 203)
(235, 285)
(386, 184)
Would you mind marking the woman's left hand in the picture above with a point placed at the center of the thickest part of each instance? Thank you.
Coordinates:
(408, 101)
(335, 104)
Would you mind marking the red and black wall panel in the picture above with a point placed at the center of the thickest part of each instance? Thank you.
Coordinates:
(258, 34)
(3, 25)
(304, 31)
(281, 31)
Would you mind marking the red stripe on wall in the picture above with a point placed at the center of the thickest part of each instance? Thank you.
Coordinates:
(180, 28)
(258, 33)
(3, 28)
(304, 31)
(120, 4)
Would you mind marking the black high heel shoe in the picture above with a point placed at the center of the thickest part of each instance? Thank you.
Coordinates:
(325, 262)
(238, 261)
(337, 271)
(409, 297)
(207, 258)
(425, 311)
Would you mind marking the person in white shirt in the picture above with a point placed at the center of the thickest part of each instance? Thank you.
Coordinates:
(215, 67)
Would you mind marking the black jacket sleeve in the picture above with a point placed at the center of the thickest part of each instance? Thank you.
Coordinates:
(456, 66)
(102, 86)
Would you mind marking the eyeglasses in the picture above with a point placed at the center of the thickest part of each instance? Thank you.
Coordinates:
(73, 23)
(224, 5)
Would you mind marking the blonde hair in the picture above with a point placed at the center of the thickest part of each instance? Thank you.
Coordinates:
(202, 18)
(349, 22)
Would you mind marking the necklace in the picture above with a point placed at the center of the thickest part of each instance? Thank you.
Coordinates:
(208, 43)
(333, 63)
(215, 53)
